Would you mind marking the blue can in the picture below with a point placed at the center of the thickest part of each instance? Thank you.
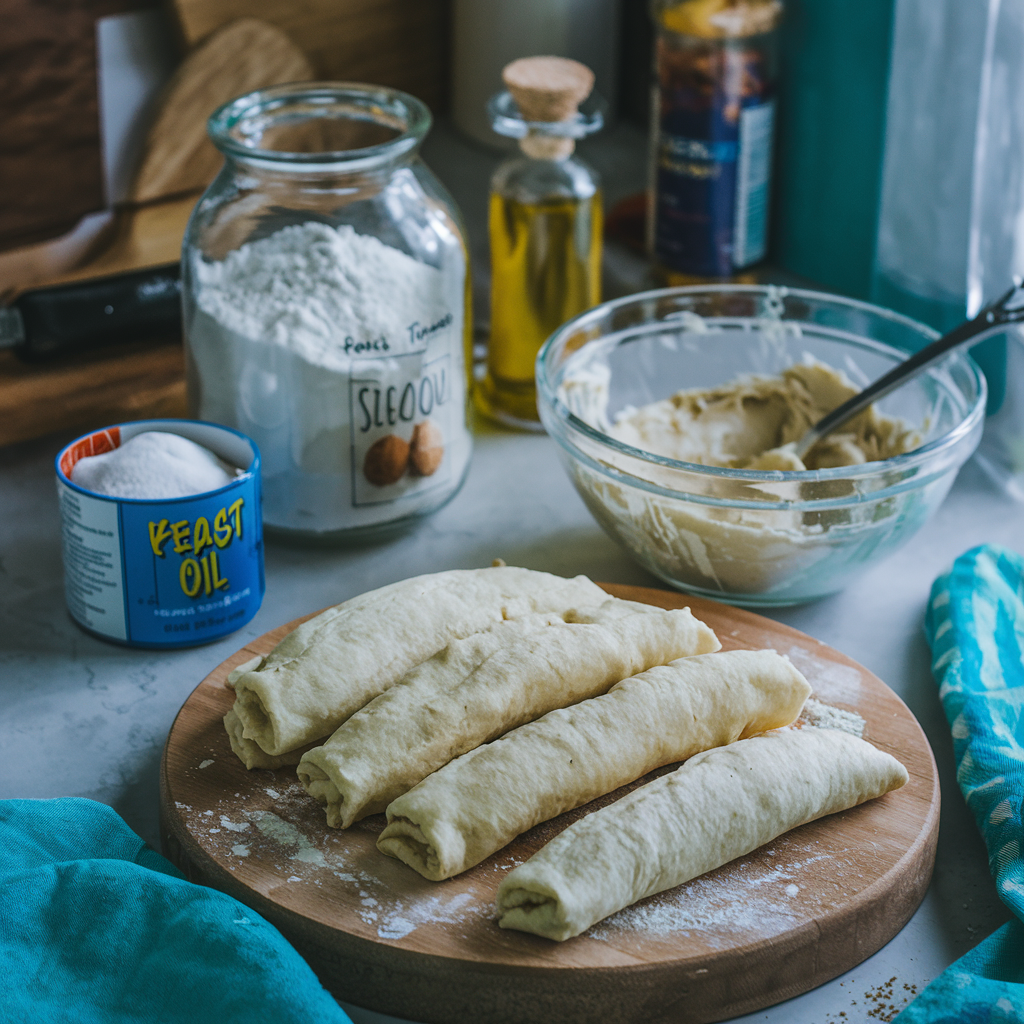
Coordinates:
(163, 572)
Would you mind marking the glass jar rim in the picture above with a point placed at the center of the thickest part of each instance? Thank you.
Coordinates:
(373, 104)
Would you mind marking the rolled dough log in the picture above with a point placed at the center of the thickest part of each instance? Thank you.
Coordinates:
(251, 754)
(720, 805)
(437, 713)
(335, 663)
(481, 801)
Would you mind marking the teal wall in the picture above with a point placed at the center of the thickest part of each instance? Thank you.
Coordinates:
(831, 130)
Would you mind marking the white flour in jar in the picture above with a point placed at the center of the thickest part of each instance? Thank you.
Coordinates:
(323, 293)
(329, 348)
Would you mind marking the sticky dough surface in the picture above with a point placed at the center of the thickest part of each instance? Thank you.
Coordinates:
(332, 665)
(748, 424)
(481, 801)
(719, 805)
(443, 710)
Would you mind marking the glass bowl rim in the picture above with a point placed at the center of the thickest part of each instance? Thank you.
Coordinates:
(908, 460)
(415, 114)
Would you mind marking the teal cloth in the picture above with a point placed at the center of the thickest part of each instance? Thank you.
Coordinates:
(975, 626)
(97, 928)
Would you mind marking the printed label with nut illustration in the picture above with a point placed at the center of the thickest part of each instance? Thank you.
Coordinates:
(402, 411)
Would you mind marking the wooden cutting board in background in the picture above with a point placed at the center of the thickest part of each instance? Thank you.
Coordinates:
(391, 42)
(237, 58)
(387, 42)
(178, 161)
(50, 165)
(788, 917)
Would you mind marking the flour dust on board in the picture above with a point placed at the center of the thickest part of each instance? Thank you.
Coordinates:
(342, 357)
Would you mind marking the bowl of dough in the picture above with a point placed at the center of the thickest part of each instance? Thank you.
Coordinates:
(676, 412)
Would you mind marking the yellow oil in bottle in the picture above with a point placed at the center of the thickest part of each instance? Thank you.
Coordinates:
(545, 268)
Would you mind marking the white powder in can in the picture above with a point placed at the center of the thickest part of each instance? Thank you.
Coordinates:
(153, 464)
(331, 350)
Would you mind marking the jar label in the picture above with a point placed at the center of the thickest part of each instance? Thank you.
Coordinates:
(713, 118)
(403, 413)
(750, 233)
(342, 357)
(712, 196)
(93, 579)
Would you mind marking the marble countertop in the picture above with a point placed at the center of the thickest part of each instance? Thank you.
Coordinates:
(79, 717)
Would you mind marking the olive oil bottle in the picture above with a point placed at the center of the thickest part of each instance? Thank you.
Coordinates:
(545, 229)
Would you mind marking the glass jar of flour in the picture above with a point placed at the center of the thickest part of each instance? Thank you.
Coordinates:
(326, 307)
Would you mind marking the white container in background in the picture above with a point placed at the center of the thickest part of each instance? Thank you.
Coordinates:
(488, 34)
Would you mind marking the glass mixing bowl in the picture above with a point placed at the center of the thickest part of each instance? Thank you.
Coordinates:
(750, 537)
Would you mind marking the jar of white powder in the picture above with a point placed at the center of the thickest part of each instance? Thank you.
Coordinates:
(326, 307)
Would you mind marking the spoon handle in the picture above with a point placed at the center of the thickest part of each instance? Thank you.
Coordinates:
(1009, 309)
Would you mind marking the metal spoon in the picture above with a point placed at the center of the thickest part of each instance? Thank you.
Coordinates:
(1007, 310)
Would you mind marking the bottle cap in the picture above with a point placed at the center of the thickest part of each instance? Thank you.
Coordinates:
(721, 19)
(547, 90)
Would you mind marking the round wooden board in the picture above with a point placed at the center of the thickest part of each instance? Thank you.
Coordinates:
(788, 917)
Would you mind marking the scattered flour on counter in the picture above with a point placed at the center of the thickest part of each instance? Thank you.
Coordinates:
(405, 919)
(153, 464)
(765, 896)
(206, 763)
(833, 681)
(391, 916)
(286, 834)
(396, 928)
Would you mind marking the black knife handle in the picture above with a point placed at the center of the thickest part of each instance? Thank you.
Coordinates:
(141, 306)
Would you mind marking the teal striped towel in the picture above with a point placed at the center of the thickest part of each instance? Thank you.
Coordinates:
(97, 928)
(975, 626)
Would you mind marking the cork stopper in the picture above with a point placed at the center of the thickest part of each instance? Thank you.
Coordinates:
(547, 89)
